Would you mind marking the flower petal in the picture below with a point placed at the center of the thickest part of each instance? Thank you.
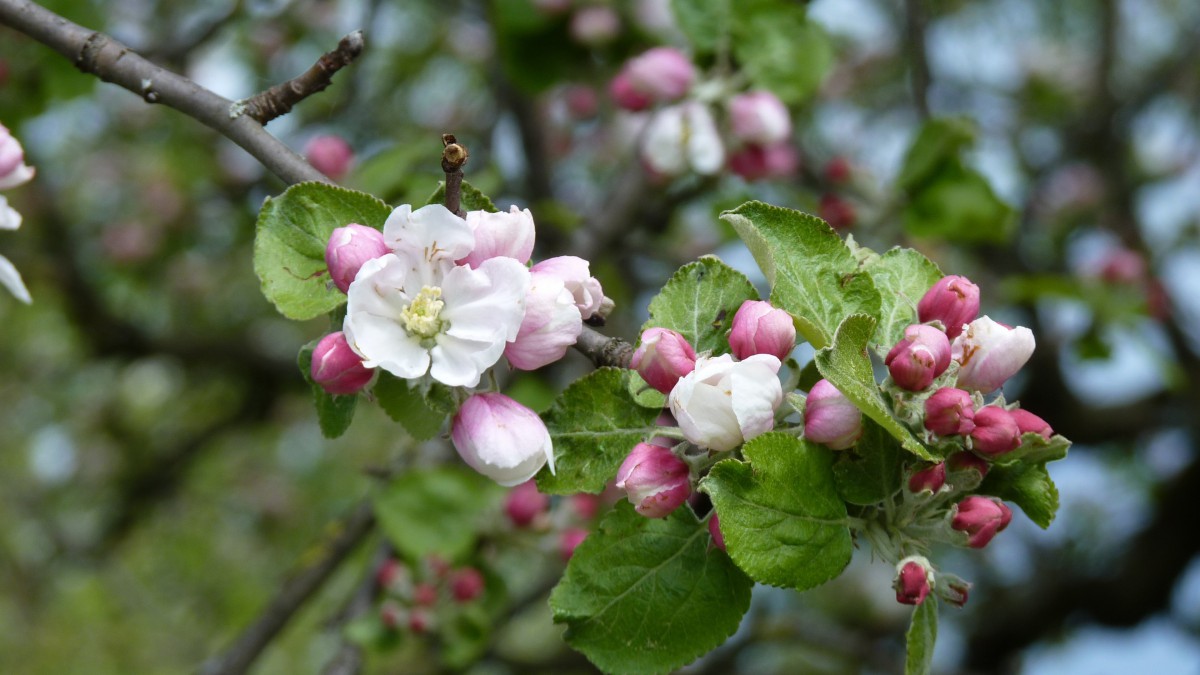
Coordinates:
(486, 303)
(459, 362)
(11, 279)
(430, 233)
(10, 219)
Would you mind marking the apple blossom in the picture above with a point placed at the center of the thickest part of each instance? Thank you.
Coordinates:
(756, 162)
(337, 368)
(681, 138)
(714, 529)
(662, 358)
(723, 403)
(524, 504)
(414, 311)
(466, 584)
(501, 438)
(655, 480)
(551, 325)
(930, 479)
(996, 431)
(1027, 423)
(759, 117)
(13, 170)
(661, 73)
(759, 328)
(990, 353)
(953, 300)
(348, 248)
(918, 358)
(577, 277)
(830, 418)
(500, 234)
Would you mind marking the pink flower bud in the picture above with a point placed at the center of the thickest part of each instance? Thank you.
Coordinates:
(759, 328)
(929, 480)
(586, 506)
(13, 170)
(337, 368)
(914, 580)
(581, 101)
(837, 171)
(830, 417)
(500, 234)
(391, 574)
(954, 301)
(438, 566)
(990, 353)
(955, 592)
(980, 518)
(466, 584)
(1027, 422)
(501, 438)
(950, 412)
(348, 248)
(425, 595)
(655, 480)
(622, 91)
(524, 504)
(663, 357)
(714, 528)
(577, 277)
(759, 117)
(836, 211)
(965, 461)
(329, 154)
(419, 621)
(661, 73)
(391, 615)
(551, 324)
(756, 162)
(569, 540)
(919, 358)
(995, 432)
(1120, 266)
(595, 25)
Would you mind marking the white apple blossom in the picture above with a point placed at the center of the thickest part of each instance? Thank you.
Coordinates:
(683, 137)
(723, 403)
(990, 353)
(414, 311)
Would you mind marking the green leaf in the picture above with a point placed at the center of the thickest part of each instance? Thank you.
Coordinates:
(471, 199)
(871, 471)
(813, 274)
(780, 50)
(1028, 486)
(593, 424)
(699, 302)
(409, 406)
(939, 142)
(436, 510)
(902, 277)
(783, 521)
(645, 395)
(846, 365)
(644, 595)
(334, 412)
(1036, 450)
(922, 635)
(702, 21)
(466, 636)
(959, 205)
(290, 239)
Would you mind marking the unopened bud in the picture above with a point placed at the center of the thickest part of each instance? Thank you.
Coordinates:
(577, 278)
(661, 73)
(392, 575)
(524, 504)
(622, 91)
(917, 359)
(391, 615)
(466, 584)
(995, 432)
(954, 301)
(836, 211)
(337, 368)
(13, 170)
(714, 528)
(1027, 423)
(914, 580)
(759, 117)
(595, 25)
(551, 324)
(330, 154)
(419, 621)
(759, 328)
(930, 479)
(655, 480)
(950, 412)
(830, 418)
(569, 540)
(954, 590)
(425, 595)
(990, 353)
(980, 518)
(501, 438)
(662, 358)
(348, 248)
(758, 162)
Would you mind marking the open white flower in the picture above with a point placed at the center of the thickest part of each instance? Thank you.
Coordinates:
(723, 403)
(414, 311)
(683, 137)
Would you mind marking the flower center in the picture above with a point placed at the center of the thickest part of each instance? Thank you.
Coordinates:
(420, 318)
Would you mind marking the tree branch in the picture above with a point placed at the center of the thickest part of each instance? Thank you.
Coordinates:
(102, 56)
(603, 350)
(454, 157)
(280, 99)
(914, 30)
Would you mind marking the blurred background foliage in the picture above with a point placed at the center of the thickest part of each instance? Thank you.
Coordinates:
(162, 468)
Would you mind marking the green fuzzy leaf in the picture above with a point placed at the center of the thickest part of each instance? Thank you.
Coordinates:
(783, 521)
(780, 50)
(644, 595)
(334, 412)
(1028, 486)
(699, 302)
(701, 21)
(593, 424)
(419, 413)
(436, 510)
(645, 395)
(813, 274)
(471, 199)
(939, 142)
(922, 635)
(871, 471)
(902, 276)
(290, 239)
(847, 366)
(1036, 450)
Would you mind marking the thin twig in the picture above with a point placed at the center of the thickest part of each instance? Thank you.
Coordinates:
(102, 56)
(281, 98)
(914, 29)
(349, 657)
(454, 156)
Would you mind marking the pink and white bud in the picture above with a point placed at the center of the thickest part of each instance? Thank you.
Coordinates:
(576, 275)
(837, 171)
(569, 540)
(392, 575)
(1120, 266)
(723, 403)
(917, 359)
(714, 529)
(13, 170)
(995, 432)
(683, 138)
(330, 154)
(966, 461)
(420, 621)
(662, 358)
(950, 412)
(954, 591)
(595, 25)
(501, 438)
(930, 479)
(500, 234)
(551, 324)
(655, 480)
(759, 328)
(337, 368)
(466, 584)
(392, 615)
(661, 73)
(830, 418)
(524, 504)
(758, 162)
(759, 117)
(953, 300)
(990, 353)
(1029, 423)
(622, 91)
(348, 248)
(914, 580)
(980, 518)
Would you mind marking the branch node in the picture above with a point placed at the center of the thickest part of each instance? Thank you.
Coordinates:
(281, 98)
(454, 156)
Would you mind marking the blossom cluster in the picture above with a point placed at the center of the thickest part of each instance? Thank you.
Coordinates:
(438, 298)
(13, 172)
(420, 599)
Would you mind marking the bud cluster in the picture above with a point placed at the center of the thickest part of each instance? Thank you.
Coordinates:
(558, 523)
(419, 599)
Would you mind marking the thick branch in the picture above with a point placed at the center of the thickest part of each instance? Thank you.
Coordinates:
(280, 99)
(604, 350)
(98, 54)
